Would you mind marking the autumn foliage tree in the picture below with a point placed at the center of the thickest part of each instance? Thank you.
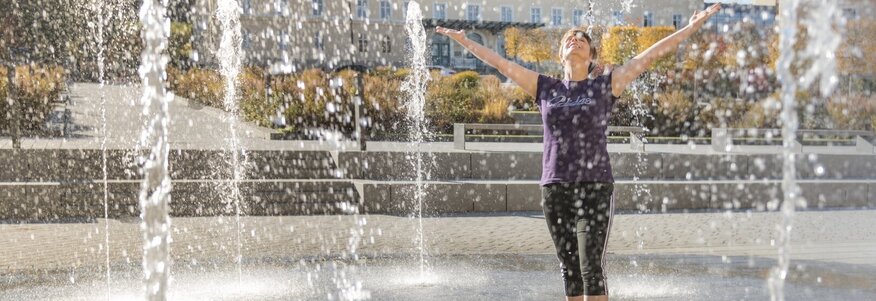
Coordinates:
(513, 40)
(536, 47)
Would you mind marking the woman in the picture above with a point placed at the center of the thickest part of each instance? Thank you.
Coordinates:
(577, 183)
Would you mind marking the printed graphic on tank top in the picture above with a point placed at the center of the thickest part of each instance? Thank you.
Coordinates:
(575, 115)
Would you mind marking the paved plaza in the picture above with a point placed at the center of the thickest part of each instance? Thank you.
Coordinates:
(842, 244)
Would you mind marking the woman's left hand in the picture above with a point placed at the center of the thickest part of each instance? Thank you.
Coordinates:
(700, 17)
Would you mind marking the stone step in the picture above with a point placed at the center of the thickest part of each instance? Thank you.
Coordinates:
(643, 196)
(55, 200)
(42, 165)
(51, 201)
(58, 165)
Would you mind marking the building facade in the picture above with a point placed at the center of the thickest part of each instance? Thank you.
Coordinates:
(292, 35)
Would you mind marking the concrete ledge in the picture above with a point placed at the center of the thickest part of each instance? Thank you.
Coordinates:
(835, 195)
(42, 165)
(630, 165)
(510, 166)
(87, 164)
(400, 165)
(436, 198)
(376, 198)
(445, 197)
(36, 202)
(524, 197)
(662, 197)
(757, 196)
(52, 165)
(871, 192)
(712, 167)
(765, 167)
(836, 166)
(291, 165)
(197, 164)
(52, 201)
(13, 167)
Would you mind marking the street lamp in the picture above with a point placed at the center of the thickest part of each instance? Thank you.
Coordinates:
(14, 110)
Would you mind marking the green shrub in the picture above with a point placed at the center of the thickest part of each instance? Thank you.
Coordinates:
(180, 44)
(36, 89)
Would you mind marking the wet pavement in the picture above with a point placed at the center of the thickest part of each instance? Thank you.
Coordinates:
(692, 256)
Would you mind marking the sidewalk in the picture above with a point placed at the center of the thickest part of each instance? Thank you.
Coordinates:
(828, 236)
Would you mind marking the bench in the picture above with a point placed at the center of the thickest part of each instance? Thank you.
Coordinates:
(459, 130)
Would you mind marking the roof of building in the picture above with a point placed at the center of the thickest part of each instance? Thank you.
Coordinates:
(492, 26)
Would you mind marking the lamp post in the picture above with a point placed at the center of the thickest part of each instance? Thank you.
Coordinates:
(14, 109)
(358, 101)
(10, 23)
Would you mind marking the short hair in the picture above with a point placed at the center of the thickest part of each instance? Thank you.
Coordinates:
(582, 32)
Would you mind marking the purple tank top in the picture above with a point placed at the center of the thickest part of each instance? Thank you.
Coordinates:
(575, 115)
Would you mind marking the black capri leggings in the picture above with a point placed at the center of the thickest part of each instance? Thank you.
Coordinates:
(579, 216)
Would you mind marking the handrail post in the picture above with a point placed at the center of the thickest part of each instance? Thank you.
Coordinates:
(14, 106)
(358, 103)
(722, 141)
(863, 146)
(459, 136)
(636, 143)
(798, 142)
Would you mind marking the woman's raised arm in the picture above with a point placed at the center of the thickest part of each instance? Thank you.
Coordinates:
(525, 78)
(624, 75)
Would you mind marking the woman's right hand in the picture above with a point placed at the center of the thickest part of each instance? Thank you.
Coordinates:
(456, 35)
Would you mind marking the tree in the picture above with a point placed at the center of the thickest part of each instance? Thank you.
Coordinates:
(620, 44)
(513, 40)
(533, 48)
(180, 44)
(857, 53)
(649, 36)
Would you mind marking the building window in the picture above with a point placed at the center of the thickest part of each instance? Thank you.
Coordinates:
(281, 7)
(246, 39)
(649, 19)
(577, 17)
(246, 5)
(618, 17)
(472, 12)
(507, 14)
(500, 45)
(535, 15)
(474, 37)
(386, 44)
(362, 9)
(557, 16)
(385, 10)
(317, 41)
(317, 8)
(363, 43)
(677, 21)
(440, 12)
(850, 13)
(284, 40)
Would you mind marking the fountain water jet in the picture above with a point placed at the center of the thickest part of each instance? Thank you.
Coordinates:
(821, 46)
(101, 47)
(228, 14)
(415, 88)
(155, 189)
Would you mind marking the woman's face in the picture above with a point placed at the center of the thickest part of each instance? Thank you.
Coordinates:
(576, 49)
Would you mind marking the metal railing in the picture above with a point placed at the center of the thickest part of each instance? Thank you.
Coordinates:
(722, 138)
(459, 131)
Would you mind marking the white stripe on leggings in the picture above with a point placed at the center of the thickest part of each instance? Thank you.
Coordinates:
(605, 244)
